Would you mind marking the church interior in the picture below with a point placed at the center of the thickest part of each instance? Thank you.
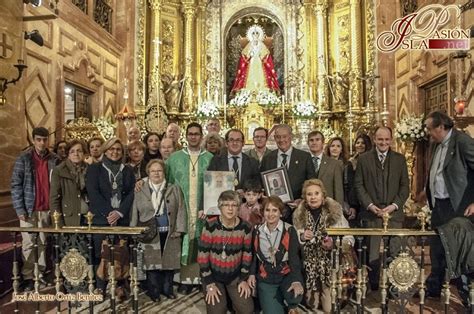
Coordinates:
(85, 68)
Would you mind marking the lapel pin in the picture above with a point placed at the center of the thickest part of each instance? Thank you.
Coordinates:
(296, 162)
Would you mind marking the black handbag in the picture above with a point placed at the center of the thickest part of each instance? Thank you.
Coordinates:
(149, 234)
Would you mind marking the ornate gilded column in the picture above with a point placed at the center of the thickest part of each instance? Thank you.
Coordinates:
(320, 10)
(155, 88)
(189, 13)
(356, 55)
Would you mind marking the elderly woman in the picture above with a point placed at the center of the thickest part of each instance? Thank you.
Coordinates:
(336, 148)
(225, 257)
(94, 146)
(213, 143)
(110, 188)
(362, 144)
(164, 203)
(311, 218)
(276, 261)
(67, 194)
(136, 152)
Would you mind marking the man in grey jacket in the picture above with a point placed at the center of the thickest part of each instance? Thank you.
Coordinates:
(449, 189)
(30, 196)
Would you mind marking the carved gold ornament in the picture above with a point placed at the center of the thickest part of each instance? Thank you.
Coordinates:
(403, 272)
(74, 267)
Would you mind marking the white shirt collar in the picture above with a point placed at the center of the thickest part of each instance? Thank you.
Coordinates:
(288, 152)
(279, 227)
(229, 156)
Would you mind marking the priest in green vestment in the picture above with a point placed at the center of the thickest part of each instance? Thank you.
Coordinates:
(186, 168)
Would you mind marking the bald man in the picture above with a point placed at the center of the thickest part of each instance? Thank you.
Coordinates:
(167, 147)
(133, 134)
(381, 183)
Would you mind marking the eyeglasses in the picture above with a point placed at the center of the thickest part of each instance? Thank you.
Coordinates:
(155, 171)
(233, 205)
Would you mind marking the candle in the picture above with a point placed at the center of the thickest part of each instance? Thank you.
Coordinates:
(125, 92)
(350, 101)
(384, 95)
(311, 93)
(225, 110)
(283, 108)
(157, 43)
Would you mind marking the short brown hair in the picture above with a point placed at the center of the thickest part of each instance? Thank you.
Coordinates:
(314, 133)
(73, 143)
(111, 142)
(136, 144)
(275, 201)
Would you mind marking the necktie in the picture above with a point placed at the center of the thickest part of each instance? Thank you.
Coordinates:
(235, 166)
(382, 159)
(316, 164)
(283, 161)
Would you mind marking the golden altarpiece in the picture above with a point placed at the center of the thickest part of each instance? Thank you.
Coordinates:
(323, 51)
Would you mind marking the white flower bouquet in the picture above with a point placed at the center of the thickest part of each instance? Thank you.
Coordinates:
(105, 127)
(241, 100)
(207, 109)
(410, 129)
(266, 98)
(304, 109)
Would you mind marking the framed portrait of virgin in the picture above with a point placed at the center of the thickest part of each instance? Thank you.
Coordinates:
(216, 182)
(276, 182)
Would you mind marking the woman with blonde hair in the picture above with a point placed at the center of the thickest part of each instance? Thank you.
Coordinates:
(213, 143)
(312, 217)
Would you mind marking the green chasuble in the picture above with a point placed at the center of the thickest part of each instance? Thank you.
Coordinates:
(187, 171)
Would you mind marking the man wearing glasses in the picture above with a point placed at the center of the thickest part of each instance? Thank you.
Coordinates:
(185, 168)
(244, 167)
(260, 137)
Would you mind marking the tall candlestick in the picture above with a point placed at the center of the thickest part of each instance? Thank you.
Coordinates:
(384, 95)
(310, 92)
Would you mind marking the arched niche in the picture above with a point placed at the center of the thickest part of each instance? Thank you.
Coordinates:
(235, 34)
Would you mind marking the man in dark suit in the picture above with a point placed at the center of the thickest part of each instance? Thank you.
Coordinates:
(381, 183)
(245, 168)
(327, 169)
(298, 163)
(449, 189)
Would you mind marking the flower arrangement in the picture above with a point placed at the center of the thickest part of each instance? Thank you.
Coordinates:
(266, 98)
(207, 109)
(241, 100)
(410, 129)
(304, 109)
(328, 132)
(105, 127)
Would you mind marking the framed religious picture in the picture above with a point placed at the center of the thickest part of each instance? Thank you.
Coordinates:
(216, 182)
(276, 182)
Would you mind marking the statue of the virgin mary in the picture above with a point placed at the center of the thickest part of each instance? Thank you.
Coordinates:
(255, 71)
